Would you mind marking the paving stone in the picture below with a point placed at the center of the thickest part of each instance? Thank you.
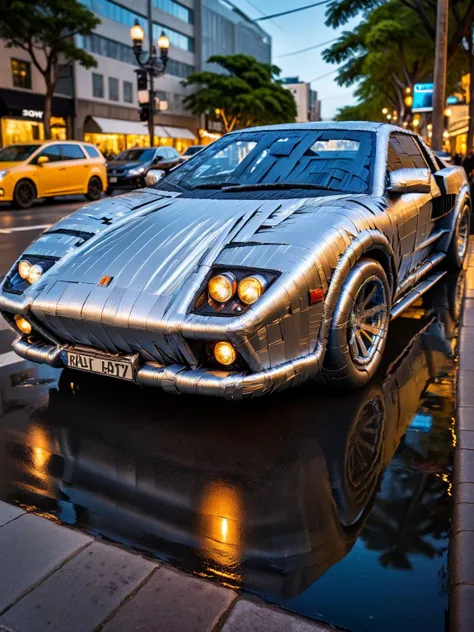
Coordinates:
(173, 602)
(466, 340)
(30, 549)
(464, 493)
(465, 419)
(465, 391)
(82, 593)
(247, 616)
(463, 517)
(466, 360)
(9, 513)
(468, 312)
(462, 558)
(463, 466)
(462, 608)
(465, 440)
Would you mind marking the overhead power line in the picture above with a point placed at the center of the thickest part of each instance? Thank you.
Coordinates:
(304, 50)
(323, 76)
(279, 15)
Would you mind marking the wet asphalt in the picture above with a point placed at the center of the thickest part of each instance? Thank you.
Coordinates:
(336, 506)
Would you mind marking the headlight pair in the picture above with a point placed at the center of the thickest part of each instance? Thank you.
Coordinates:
(26, 272)
(29, 272)
(223, 287)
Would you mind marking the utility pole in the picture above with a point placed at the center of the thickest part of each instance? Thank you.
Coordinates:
(151, 87)
(439, 92)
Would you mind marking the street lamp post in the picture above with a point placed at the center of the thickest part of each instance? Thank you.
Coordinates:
(154, 66)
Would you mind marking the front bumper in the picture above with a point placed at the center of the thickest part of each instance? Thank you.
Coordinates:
(126, 183)
(180, 379)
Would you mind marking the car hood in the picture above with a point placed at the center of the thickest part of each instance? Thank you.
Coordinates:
(155, 242)
(114, 164)
(9, 165)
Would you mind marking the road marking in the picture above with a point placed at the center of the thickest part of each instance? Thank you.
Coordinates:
(17, 229)
(9, 358)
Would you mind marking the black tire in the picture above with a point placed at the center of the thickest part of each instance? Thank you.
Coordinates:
(94, 189)
(24, 194)
(458, 246)
(108, 191)
(359, 327)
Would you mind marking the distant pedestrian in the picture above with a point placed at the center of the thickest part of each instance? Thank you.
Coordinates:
(457, 159)
(468, 164)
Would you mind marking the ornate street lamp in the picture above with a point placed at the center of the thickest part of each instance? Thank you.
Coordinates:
(154, 66)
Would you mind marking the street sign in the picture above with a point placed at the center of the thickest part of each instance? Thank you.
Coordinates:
(422, 97)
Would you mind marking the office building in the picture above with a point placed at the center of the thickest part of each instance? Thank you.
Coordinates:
(308, 107)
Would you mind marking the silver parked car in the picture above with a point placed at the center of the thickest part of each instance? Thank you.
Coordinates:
(277, 254)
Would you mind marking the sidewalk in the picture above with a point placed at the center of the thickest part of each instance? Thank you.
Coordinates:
(56, 579)
(462, 542)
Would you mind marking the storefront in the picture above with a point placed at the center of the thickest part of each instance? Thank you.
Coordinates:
(114, 135)
(458, 124)
(21, 116)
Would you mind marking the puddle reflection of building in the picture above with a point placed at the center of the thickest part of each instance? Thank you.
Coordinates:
(269, 494)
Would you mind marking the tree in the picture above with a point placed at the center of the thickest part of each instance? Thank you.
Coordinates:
(247, 93)
(460, 46)
(45, 29)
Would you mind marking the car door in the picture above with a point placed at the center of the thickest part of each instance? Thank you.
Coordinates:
(77, 167)
(51, 174)
(414, 211)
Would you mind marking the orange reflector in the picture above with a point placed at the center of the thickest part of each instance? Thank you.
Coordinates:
(105, 281)
(316, 296)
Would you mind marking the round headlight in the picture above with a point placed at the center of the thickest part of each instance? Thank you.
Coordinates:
(35, 272)
(251, 289)
(222, 287)
(225, 353)
(24, 268)
(22, 324)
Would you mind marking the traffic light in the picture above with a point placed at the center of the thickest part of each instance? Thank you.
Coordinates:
(142, 83)
(144, 112)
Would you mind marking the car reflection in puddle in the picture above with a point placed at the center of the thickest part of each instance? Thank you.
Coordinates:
(334, 505)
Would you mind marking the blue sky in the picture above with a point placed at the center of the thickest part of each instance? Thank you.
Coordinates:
(301, 30)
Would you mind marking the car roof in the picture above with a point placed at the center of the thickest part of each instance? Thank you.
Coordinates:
(363, 126)
(40, 143)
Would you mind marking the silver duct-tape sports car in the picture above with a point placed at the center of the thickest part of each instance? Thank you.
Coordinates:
(275, 255)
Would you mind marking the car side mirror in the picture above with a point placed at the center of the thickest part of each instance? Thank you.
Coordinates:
(409, 181)
(42, 160)
(153, 176)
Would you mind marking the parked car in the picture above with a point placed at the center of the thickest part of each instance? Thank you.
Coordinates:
(129, 168)
(278, 254)
(47, 169)
(191, 151)
(445, 156)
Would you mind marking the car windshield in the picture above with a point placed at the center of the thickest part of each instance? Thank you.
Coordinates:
(335, 160)
(192, 150)
(17, 153)
(136, 155)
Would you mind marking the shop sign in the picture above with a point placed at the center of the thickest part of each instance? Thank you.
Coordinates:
(34, 114)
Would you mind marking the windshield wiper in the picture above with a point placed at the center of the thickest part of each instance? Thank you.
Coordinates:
(275, 186)
(215, 185)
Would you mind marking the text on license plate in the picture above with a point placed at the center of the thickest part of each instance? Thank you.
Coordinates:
(103, 366)
(112, 179)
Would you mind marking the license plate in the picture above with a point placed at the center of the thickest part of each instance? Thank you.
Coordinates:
(123, 368)
(112, 180)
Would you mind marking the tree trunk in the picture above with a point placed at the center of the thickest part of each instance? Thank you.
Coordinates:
(470, 130)
(48, 99)
(439, 93)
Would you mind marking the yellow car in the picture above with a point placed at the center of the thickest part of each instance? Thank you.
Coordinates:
(46, 169)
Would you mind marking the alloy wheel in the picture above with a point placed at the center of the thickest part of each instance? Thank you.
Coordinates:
(368, 321)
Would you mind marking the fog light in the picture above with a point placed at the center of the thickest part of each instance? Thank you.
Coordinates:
(222, 287)
(23, 325)
(24, 268)
(225, 353)
(251, 289)
(2, 192)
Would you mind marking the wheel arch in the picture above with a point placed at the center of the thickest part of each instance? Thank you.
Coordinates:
(26, 179)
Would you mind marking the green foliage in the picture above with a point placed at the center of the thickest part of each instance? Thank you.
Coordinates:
(389, 51)
(45, 30)
(247, 93)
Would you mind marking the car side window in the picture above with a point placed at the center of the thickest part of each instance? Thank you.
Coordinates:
(52, 152)
(72, 152)
(403, 153)
(92, 151)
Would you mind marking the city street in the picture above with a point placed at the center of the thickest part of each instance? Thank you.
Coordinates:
(323, 504)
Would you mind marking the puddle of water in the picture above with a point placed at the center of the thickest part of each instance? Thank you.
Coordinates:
(336, 506)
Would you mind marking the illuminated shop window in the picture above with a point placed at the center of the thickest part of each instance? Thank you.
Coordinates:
(21, 72)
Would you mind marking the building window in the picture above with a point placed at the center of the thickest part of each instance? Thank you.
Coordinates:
(97, 85)
(21, 72)
(113, 89)
(176, 9)
(128, 92)
(176, 38)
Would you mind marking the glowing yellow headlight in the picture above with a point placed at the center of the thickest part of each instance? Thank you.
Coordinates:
(35, 272)
(225, 353)
(24, 268)
(222, 287)
(22, 324)
(251, 289)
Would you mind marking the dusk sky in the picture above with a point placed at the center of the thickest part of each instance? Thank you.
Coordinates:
(297, 31)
